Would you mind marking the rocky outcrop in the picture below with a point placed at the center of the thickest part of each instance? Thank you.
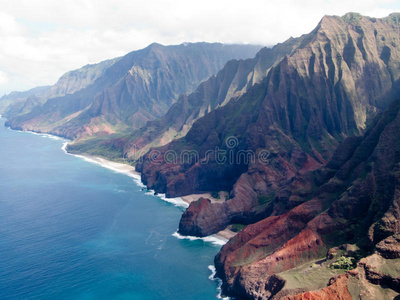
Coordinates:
(329, 87)
(374, 277)
(125, 93)
(390, 247)
(382, 272)
(347, 201)
(336, 289)
(201, 225)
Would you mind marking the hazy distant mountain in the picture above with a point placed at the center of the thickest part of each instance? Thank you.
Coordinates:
(14, 104)
(127, 92)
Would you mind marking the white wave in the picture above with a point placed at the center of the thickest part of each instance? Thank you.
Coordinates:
(214, 239)
(45, 135)
(175, 201)
(116, 167)
(49, 136)
(213, 272)
(64, 148)
(213, 278)
(138, 180)
(217, 241)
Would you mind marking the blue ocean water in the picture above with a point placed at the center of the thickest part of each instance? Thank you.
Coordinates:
(70, 229)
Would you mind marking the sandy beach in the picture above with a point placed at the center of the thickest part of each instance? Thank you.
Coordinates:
(226, 233)
(195, 197)
(118, 167)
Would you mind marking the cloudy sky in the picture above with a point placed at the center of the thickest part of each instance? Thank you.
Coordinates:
(42, 39)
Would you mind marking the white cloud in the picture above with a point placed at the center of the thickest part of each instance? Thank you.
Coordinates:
(40, 40)
(3, 78)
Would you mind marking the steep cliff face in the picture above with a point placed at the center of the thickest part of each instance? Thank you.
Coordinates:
(353, 199)
(133, 89)
(79, 79)
(329, 87)
(231, 82)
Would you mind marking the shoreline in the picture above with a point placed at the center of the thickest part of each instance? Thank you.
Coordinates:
(223, 236)
(184, 201)
(220, 238)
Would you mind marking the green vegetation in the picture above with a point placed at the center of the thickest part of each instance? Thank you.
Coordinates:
(237, 227)
(265, 199)
(344, 262)
(215, 195)
(352, 18)
(313, 275)
(98, 147)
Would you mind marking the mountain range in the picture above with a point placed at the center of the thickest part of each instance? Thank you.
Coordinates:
(124, 93)
(330, 87)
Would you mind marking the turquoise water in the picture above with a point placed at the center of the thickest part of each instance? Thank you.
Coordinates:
(70, 229)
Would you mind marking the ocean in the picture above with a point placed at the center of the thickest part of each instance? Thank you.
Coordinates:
(71, 229)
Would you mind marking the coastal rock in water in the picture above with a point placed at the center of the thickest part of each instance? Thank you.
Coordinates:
(193, 224)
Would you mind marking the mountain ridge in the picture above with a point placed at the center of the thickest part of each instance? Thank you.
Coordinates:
(234, 79)
(329, 88)
(351, 200)
(141, 82)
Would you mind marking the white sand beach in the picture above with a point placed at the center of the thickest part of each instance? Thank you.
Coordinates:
(195, 197)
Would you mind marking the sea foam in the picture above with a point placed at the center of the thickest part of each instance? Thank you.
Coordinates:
(214, 278)
(116, 167)
(214, 239)
(175, 201)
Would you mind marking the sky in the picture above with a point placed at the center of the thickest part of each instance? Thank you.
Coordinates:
(42, 39)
